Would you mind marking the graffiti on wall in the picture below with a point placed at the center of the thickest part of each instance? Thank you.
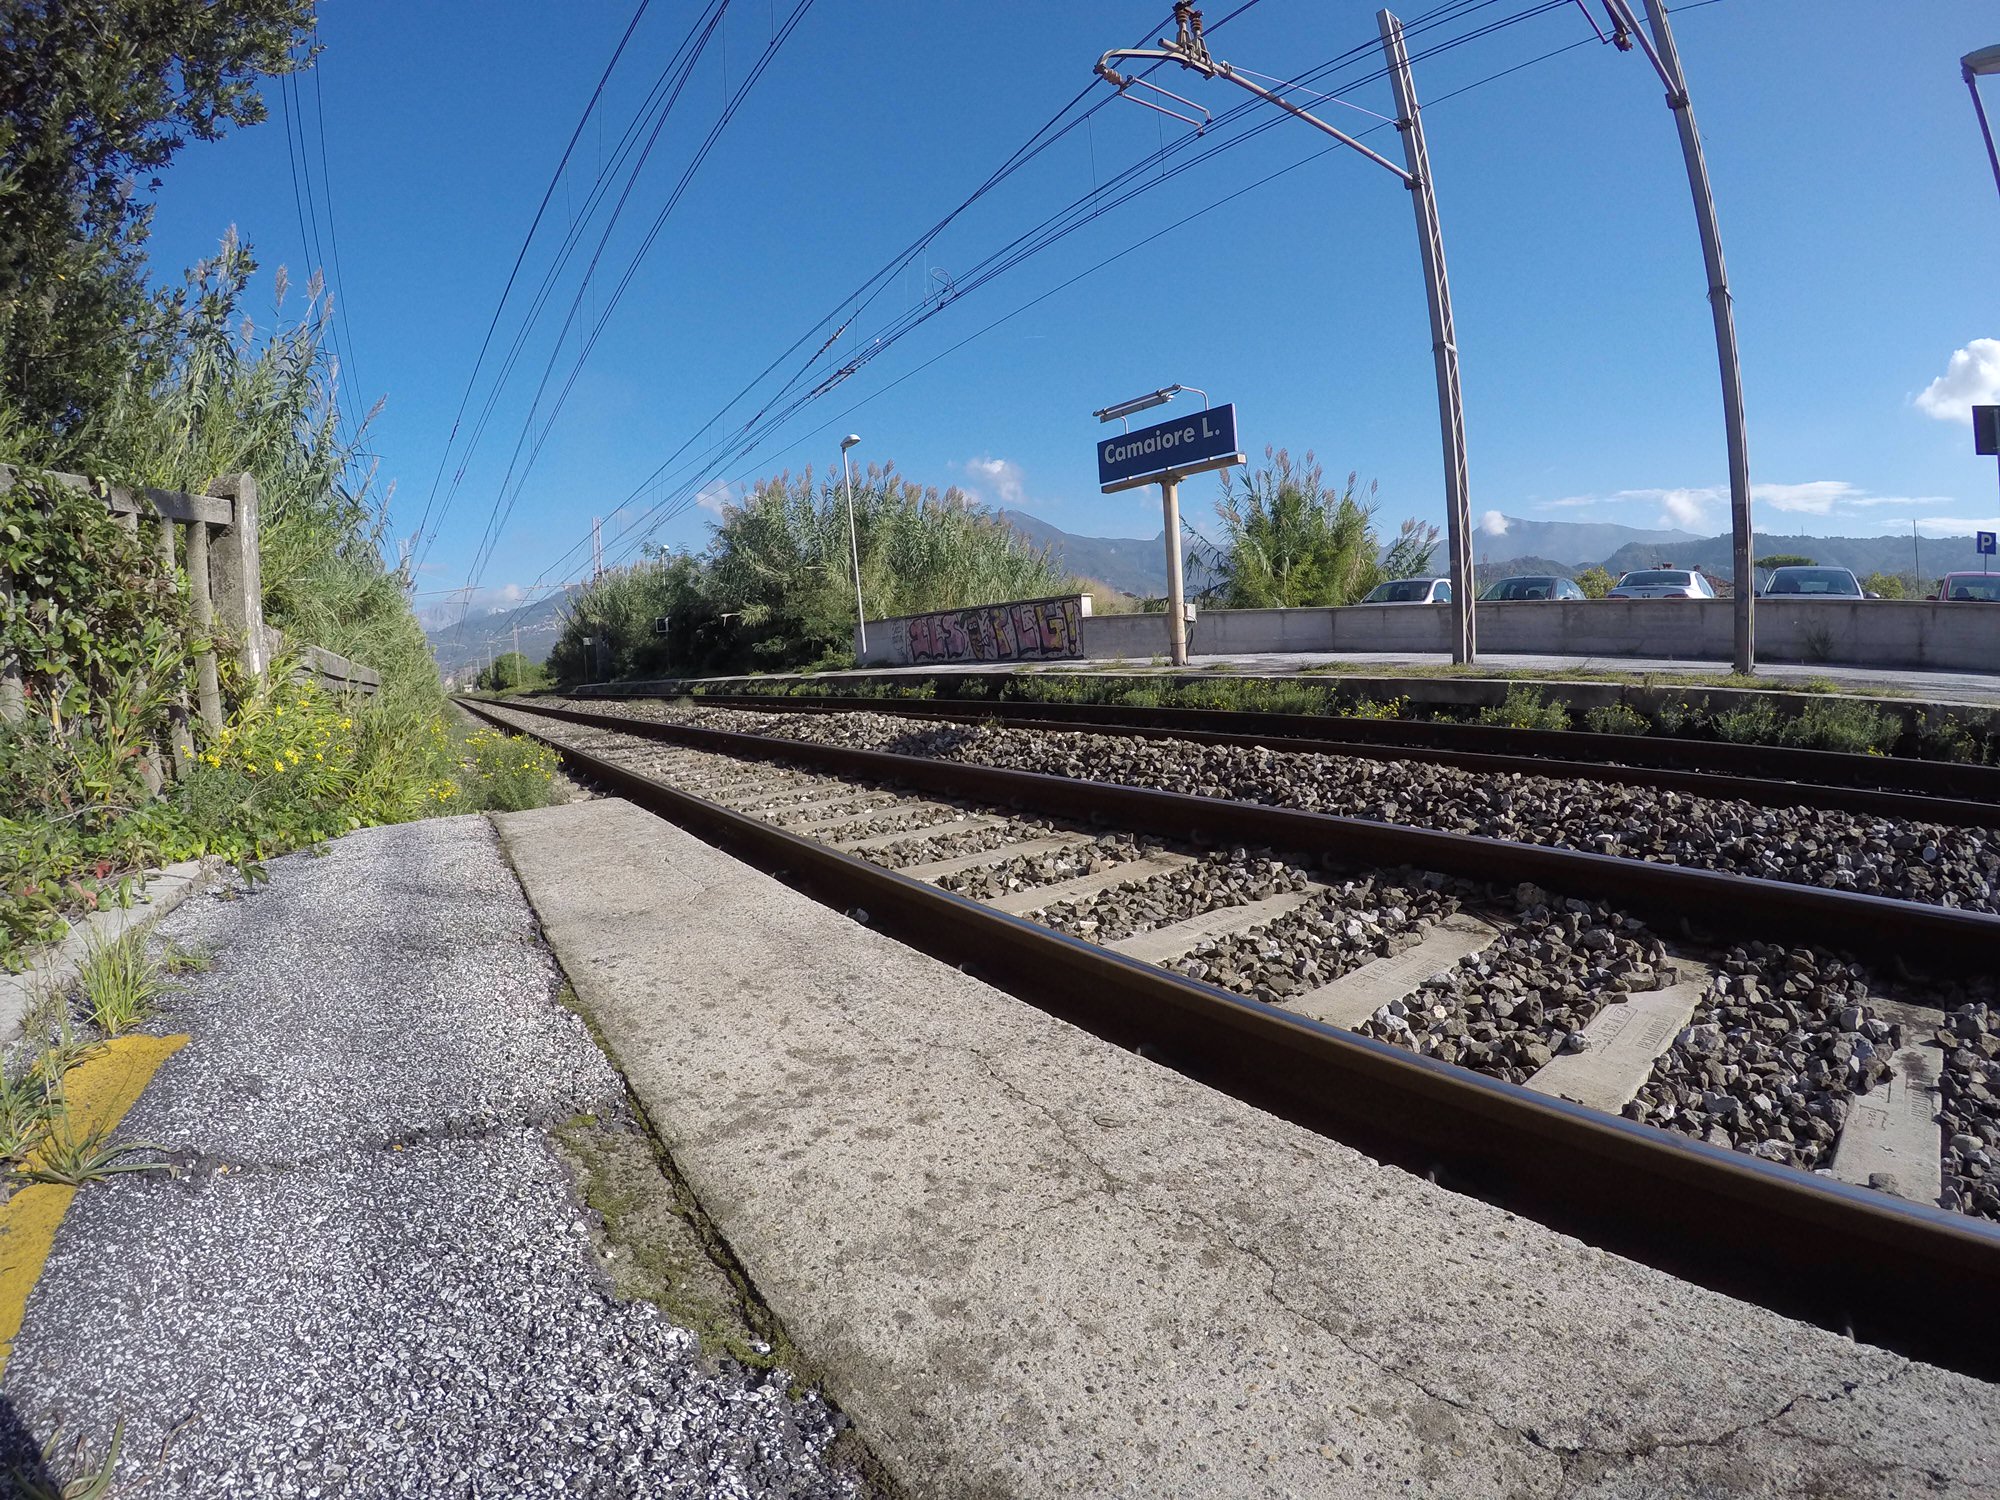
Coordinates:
(1035, 630)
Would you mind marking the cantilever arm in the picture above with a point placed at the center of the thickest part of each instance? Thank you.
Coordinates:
(1209, 68)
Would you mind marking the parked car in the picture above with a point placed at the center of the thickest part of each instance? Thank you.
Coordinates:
(1796, 581)
(1973, 588)
(1508, 589)
(1411, 591)
(1662, 583)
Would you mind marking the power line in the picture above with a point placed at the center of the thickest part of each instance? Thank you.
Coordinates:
(656, 107)
(522, 254)
(703, 479)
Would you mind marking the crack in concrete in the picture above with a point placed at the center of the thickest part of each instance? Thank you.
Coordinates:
(194, 1166)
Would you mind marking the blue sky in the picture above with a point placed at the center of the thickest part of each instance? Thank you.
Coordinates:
(1859, 219)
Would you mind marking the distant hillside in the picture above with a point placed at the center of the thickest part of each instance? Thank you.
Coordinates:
(1518, 567)
(1578, 543)
(1865, 555)
(461, 648)
(1128, 563)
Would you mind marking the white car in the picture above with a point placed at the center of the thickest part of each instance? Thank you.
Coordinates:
(1662, 583)
(1800, 582)
(1411, 591)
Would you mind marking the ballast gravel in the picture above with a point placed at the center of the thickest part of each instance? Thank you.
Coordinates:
(1231, 878)
(1508, 1009)
(1812, 846)
(1969, 1085)
(372, 1276)
(1349, 924)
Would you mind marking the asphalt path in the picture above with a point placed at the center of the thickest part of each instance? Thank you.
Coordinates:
(372, 1276)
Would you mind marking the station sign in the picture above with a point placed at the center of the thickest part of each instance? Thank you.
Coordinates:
(1986, 543)
(1201, 440)
(1986, 430)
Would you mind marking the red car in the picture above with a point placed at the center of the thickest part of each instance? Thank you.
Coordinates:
(1979, 588)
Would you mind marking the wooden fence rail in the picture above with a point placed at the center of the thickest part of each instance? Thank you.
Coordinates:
(213, 539)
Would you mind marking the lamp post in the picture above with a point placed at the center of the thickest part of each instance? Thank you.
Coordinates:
(1190, 49)
(1985, 60)
(853, 539)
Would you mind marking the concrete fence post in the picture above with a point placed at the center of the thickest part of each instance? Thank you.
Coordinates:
(12, 699)
(235, 574)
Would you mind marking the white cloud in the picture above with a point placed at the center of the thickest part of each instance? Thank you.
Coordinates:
(1493, 523)
(713, 498)
(1004, 475)
(1571, 502)
(1684, 507)
(1816, 497)
(1971, 378)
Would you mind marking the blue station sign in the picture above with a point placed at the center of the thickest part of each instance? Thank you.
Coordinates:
(1200, 438)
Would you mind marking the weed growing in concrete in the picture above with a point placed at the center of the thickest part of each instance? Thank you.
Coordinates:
(91, 1484)
(72, 1160)
(176, 960)
(25, 1110)
(119, 981)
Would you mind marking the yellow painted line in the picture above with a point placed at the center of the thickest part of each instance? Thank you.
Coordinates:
(100, 1090)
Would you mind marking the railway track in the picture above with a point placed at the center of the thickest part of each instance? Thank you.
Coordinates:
(1769, 775)
(1571, 1034)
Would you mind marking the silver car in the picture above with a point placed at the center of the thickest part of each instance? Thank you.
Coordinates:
(1411, 591)
(1662, 583)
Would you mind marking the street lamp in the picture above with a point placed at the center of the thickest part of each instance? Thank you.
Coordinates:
(1190, 49)
(1985, 60)
(853, 540)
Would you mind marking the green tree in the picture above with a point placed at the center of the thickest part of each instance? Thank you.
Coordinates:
(96, 95)
(1289, 539)
(1595, 582)
(1785, 560)
(511, 671)
(775, 587)
(1886, 585)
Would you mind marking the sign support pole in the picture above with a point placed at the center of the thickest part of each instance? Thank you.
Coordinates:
(1170, 506)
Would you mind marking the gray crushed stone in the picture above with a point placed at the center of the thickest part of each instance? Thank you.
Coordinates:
(373, 1277)
(1908, 860)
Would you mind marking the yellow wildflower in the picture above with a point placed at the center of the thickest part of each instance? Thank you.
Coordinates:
(277, 765)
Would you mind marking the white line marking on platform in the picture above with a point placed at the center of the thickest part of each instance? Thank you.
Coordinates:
(1158, 944)
(1354, 997)
(1626, 1039)
(1034, 898)
(937, 869)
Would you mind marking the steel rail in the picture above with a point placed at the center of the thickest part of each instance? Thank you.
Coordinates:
(1580, 748)
(1294, 733)
(1842, 1257)
(1903, 934)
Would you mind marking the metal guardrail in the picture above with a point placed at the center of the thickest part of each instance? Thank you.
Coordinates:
(1842, 1257)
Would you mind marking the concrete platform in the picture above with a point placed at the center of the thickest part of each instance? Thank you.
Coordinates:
(1032, 1264)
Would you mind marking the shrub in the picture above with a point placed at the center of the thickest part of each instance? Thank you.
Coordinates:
(505, 772)
(1616, 718)
(1755, 723)
(1845, 725)
(1524, 708)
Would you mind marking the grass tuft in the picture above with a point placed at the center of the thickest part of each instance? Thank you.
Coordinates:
(91, 1484)
(119, 980)
(71, 1160)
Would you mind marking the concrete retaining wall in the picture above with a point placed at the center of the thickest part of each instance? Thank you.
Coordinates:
(1860, 632)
